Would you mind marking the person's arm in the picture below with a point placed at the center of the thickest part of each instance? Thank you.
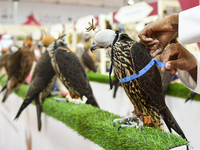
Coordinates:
(189, 26)
(179, 59)
(188, 81)
(157, 35)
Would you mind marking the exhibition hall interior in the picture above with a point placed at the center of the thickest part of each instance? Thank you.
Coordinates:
(75, 74)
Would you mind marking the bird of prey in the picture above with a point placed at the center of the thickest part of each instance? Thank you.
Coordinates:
(5, 59)
(85, 58)
(42, 81)
(19, 68)
(129, 57)
(166, 78)
(70, 71)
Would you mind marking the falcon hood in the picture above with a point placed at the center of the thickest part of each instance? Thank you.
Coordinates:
(103, 39)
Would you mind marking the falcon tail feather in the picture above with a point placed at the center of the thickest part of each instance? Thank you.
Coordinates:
(171, 122)
(39, 111)
(91, 100)
(5, 86)
(25, 103)
(6, 95)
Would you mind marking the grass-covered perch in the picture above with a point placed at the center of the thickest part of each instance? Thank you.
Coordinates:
(97, 125)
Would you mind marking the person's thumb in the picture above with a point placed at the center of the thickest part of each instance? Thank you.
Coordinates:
(175, 64)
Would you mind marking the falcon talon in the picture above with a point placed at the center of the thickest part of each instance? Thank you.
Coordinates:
(59, 99)
(132, 124)
(140, 124)
(127, 120)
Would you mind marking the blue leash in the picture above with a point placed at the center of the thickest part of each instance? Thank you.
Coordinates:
(143, 71)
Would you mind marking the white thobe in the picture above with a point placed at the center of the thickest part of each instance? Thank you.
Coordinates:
(189, 32)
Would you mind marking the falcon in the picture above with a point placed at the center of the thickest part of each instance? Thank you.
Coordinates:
(41, 83)
(19, 68)
(70, 71)
(5, 60)
(85, 58)
(145, 92)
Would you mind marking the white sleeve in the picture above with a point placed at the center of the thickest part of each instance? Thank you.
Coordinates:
(189, 25)
(187, 80)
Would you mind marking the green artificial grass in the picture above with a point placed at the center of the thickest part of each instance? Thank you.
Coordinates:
(97, 125)
(96, 77)
(179, 90)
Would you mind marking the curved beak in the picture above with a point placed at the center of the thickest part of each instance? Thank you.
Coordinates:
(93, 46)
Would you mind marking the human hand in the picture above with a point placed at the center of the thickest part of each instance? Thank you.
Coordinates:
(177, 57)
(157, 35)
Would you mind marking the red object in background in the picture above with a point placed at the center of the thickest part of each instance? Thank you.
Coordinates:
(186, 4)
(114, 20)
(31, 21)
(155, 8)
(97, 23)
(28, 78)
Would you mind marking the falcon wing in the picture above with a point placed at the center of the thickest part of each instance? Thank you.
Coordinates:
(88, 61)
(72, 69)
(151, 80)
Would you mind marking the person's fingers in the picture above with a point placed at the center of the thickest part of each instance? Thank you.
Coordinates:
(179, 63)
(168, 65)
(163, 69)
(156, 52)
(169, 53)
(144, 38)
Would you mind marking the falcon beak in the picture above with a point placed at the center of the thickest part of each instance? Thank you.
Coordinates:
(93, 47)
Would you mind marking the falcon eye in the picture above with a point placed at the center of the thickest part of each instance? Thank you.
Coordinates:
(101, 47)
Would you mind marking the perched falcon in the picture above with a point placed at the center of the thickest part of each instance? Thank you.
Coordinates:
(129, 57)
(85, 58)
(42, 82)
(70, 71)
(19, 68)
(5, 60)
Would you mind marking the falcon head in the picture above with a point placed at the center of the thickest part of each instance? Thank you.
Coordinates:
(58, 43)
(103, 39)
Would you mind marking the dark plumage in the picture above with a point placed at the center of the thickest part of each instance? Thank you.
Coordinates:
(70, 71)
(19, 68)
(146, 92)
(42, 81)
(5, 60)
(86, 59)
(191, 96)
(166, 77)
(116, 84)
